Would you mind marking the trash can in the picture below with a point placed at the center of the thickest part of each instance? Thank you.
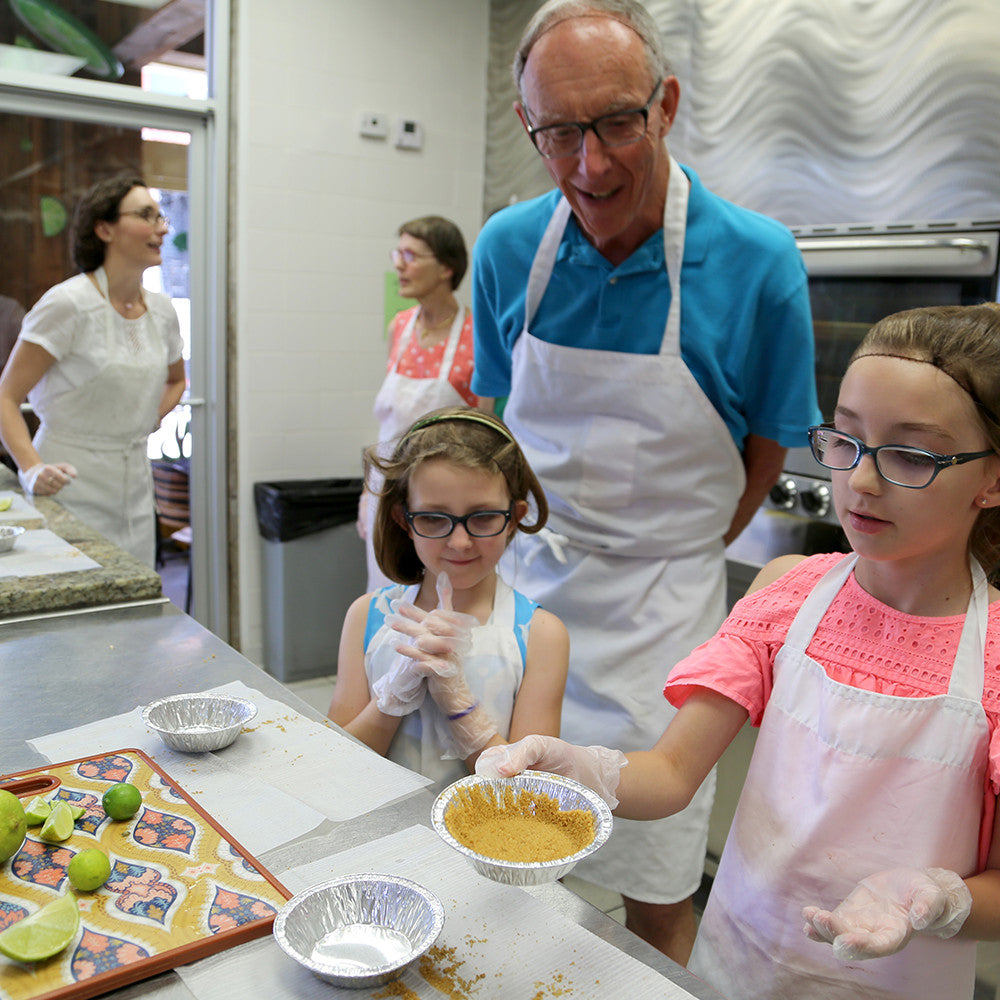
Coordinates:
(313, 568)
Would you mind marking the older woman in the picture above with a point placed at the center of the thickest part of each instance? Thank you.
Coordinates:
(430, 346)
(99, 359)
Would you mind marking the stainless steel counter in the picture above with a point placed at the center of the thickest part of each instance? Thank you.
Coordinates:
(60, 672)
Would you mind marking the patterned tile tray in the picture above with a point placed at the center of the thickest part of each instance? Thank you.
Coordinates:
(180, 887)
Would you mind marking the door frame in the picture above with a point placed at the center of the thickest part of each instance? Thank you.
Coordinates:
(207, 122)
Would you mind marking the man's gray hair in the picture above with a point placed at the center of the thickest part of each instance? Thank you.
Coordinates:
(631, 13)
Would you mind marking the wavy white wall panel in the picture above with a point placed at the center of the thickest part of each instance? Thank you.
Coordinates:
(811, 111)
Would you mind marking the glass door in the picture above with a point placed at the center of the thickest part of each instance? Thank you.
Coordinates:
(53, 145)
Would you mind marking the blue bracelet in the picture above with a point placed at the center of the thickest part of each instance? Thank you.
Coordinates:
(464, 712)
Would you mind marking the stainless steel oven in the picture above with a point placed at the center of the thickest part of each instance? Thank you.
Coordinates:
(857, 275)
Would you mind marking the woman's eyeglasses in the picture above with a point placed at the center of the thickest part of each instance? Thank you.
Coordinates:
(150, 216)
(438, 524)
(407, 256)
(914, 468)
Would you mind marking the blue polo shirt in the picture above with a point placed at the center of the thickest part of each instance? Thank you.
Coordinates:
(746, 328)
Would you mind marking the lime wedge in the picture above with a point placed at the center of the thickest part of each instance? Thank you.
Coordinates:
(5, 503)
(76, 810)
(44, 933)
(59, 825)
(37, 811)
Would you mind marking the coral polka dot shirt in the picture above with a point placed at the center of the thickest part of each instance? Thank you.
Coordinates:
(418, 362)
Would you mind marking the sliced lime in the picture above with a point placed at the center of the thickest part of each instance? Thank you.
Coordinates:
(44, 933)
(37, 811)
(76, 810)
(5, 503)
(59, 825)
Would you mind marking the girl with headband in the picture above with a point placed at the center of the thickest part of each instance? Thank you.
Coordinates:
(450, 659)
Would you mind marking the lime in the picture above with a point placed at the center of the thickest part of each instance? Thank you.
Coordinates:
(5, 503)
(13, 825)
(37, 811)
(76, 810)
(43, 934)
(89, 869)
(59, 825)
(122, 801)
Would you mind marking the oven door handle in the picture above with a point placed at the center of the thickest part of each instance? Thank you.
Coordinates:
(960, 243)
(959, 255)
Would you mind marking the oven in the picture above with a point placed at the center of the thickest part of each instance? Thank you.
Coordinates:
(857, 275)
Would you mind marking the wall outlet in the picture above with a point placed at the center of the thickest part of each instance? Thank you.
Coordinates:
(409, 134)
(375, 126)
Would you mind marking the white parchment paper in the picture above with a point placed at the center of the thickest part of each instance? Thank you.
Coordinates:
(498, 941)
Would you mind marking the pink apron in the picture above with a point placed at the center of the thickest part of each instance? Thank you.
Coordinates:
(642, 478)
(400, 401)
(845, 783)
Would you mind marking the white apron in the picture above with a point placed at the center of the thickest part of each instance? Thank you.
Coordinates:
(643, 478)
(101, 428)
(493, 669)
(845, 783)
(400, 401)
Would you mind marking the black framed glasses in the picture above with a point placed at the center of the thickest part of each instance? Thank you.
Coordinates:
(901, 465)
(150, 216)
(438, 524)
(617, 128)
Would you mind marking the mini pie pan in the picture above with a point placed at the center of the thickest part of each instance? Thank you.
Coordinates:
(361, 930)
(568, 793)
(196, 723)
(9, 534)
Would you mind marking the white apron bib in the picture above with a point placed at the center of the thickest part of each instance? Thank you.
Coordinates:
(845, 783)
(642, 478)
(400, 401)
(101, 428)
(493, 669)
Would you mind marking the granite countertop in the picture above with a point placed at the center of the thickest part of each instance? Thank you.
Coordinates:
(120, 578)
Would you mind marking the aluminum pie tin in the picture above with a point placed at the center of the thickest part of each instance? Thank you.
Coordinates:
(359, 930)
(196, 723)
(570, 794)
(9, 534)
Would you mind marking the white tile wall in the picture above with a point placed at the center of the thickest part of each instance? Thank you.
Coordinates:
(316, 212)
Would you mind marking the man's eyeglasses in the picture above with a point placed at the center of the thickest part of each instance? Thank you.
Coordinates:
(898, 464)
(617, 128)
(407, 256)
(438, 524)
(150, 216)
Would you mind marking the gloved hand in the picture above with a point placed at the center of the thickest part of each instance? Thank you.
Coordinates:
(597, 767)
(401, 689)
(880, 916)
(439, 640)
(44, 479)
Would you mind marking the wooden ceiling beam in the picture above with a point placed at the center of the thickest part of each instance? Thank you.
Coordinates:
(172, 26)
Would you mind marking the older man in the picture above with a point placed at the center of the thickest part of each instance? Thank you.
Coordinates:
(656, 345)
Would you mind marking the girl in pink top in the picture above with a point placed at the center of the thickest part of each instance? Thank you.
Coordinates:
(868, 818)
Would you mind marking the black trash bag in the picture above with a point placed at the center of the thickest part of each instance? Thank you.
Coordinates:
(296, 507)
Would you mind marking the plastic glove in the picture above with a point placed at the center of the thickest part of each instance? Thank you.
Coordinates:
(401, 689)
(44, 480)
(880, 916)
(597, 767)
(439, 640)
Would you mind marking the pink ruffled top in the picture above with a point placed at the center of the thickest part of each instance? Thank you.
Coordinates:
(860, 642)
